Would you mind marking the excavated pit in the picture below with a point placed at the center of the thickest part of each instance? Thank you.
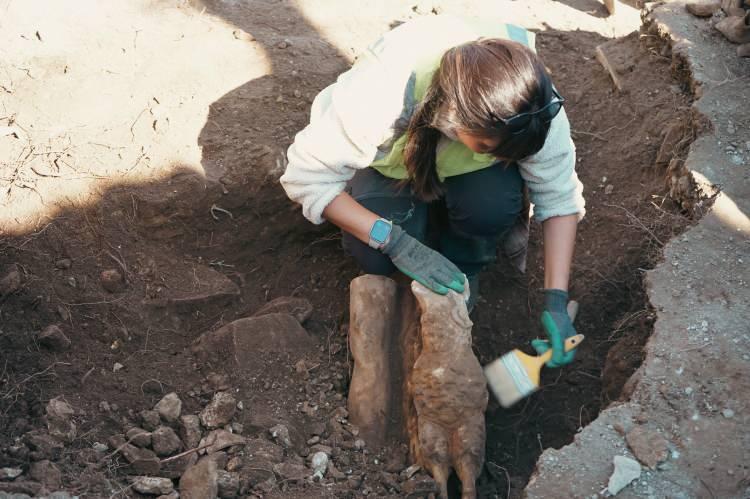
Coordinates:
(170, 247)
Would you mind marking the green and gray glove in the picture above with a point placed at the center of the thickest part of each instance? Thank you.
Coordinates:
(424, 265)
(558, 326)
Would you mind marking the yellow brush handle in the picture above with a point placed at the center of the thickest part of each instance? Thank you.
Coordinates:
(570, 344)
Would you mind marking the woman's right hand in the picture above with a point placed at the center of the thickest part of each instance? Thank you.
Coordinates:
(424, 265)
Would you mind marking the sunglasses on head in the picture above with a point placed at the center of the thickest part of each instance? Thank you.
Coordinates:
(519, 123)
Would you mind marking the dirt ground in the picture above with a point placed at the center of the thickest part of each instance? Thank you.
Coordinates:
(213, 238)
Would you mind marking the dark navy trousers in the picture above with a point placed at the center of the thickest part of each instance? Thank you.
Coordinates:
(465, 225)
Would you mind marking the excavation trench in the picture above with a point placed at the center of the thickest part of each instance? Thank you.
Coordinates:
(164, 237)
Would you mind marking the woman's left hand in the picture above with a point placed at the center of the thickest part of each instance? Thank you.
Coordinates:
(558, 326)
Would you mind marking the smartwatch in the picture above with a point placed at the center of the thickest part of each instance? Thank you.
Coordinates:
(380, 233)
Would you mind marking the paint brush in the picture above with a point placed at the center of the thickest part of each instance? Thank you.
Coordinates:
(516, 375)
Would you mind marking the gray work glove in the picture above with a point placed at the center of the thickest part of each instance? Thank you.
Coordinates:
(424, 265)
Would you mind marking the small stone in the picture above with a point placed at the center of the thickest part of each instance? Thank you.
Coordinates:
(100, 447)
(648, 446)
(221, 439)
(150, 420)
(743, 51)
(220, 411)
(10, 473)
(290, 471)
(728, 413)
(703, 8)
(143, 461)
(200, 481)
(319, 464)
(117, 367)
(281, 434)
(172, 495)
(218, 382)
(263, 449)
(64, 263)
(229, 484)
(47, 473)
(139, 437)
(626, 470)
(608, 190)
(283, 44)
(314, 440)
(53, 339)
(234, 464)
(112, 281)
(240, 406)
(190, 430)
(42, 446)
(169, 407)
(10, 282)
(165, 441)
(297, 94)
(152, 485)
(72, 282)
(731, 130)
(59, 424)
(359, 444)
(411, 470)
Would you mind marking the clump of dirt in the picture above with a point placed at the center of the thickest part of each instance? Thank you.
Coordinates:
(192, 256)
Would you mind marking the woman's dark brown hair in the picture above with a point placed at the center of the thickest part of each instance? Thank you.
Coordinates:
(476, 83)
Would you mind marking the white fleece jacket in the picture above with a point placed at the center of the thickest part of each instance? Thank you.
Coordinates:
(351, 118)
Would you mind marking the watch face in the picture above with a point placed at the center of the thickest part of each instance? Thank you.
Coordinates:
(380, 231)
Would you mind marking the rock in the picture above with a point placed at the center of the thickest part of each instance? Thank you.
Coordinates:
(229, 484)
(334, 473)
(63, 263)
(743, 50)
(300, 308)
(319, 464)
(280, 433)
(371, 298)
(112, 281)
(169, 407)
(291, 472)
(43, 446)
(221, 439)
(100, 447)
(626, 470)
(165, 441)
(727, 413)
(190, 430)
(200, 481)
(176, 468)
(53, 339)
(59, 424)
(703, 8)
(20, 489)
(117, 367)
(735, 29)
(261, 448)
(10, 282)
(220, 411)
(648, 446)
(10, 473)
(152, 485)
(239, 343)
(419, 486)
(139, 437)
(218, 382)
(47, 473)
(172, 495)
(150, 420)
(142, 461)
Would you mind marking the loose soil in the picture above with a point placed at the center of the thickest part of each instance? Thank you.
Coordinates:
(167, 243)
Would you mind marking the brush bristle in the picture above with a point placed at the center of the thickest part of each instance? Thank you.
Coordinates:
(508, 379)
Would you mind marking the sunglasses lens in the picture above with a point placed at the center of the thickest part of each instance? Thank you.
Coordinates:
(519, 123)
